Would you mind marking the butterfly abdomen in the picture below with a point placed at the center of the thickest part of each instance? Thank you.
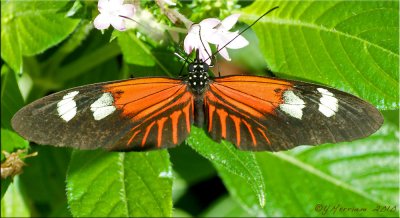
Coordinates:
(199, 113)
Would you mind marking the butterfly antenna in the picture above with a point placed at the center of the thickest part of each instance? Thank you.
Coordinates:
(133, 21)
(202, 43)
(185, 62)
(240, 33)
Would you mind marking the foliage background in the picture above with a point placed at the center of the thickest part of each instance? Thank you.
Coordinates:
(47, 46)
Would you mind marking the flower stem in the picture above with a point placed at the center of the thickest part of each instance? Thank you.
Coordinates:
(173, 15)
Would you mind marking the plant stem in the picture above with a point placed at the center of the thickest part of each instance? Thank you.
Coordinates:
(173, 15)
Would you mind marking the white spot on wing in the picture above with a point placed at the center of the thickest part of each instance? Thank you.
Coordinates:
(292, 105)
(328, 105)
(103, 106)
(66, 108)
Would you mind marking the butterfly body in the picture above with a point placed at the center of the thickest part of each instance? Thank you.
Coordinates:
(198, 81)
(254, 113)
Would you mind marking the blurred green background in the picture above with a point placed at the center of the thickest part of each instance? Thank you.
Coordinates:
(48, 46)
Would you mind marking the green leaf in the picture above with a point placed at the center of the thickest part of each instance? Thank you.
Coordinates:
(13, 204)
(350, 45)
(88, 62)
(303, 181)
(106, 71)
(226, 156)
(185, 162)
(72, 43)
(120, 184)
(43, 181)
(180, 213)
(225, 207)
(11, 98)
(4, 186)
(134, 51)
(179, 187)
(254, 63)
(31, 27)
(11, 141)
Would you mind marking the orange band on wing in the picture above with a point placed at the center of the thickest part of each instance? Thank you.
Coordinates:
(147, 132)
(253, 138)
(236, 121)
(186, 110)
(132, 137)
(263, 134)
(254, 95)
(222, 118)
(175, 118)
(160, 124)
(211, 110)
(139, 98)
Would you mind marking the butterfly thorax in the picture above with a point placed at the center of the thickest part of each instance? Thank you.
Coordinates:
(198, 78)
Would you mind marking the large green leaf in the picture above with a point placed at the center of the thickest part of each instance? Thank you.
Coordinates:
(88, 62)
(46, 174)
(185, 162)
(13, 204)
(225, 207)
(350, 45)
(134, 50)
(11, 98)
(30, 27)
(225, 156)
(120, 184)
(307, 180)
(51, 65)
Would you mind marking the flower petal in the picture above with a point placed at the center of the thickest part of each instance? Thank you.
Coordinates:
(210, 35)
(192, 39)
(239, 42)
(224, 53)
(205, 53)
(189, 43)
(102, 5)
(114, 6)
(230, 21)
(209, 23)
(117, 2)
(101, 22)
(117, 23)
(127, 10)
(194, 29)
(215, 38)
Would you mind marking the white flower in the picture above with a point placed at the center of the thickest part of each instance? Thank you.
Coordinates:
(222, 36)
(215, 32)
(197, 38)
(111, 12)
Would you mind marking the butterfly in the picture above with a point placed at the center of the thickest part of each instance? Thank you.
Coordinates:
(253, 112)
